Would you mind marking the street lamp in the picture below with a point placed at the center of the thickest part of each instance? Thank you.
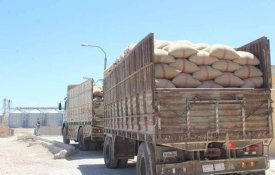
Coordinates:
(105, 57)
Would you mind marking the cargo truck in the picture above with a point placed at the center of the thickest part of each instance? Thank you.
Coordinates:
(83, 121)
(185, 130)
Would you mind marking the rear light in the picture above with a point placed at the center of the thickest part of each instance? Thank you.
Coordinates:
(97, 130)
(252, 164)
(231, 145)
(246, 164)
(243, 164)
(253, 149)
(250, 151)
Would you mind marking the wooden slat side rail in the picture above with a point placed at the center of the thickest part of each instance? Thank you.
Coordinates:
(261, 49)
(128, 92)
(80, 110)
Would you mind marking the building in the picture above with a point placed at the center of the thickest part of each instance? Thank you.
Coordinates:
(26, 117)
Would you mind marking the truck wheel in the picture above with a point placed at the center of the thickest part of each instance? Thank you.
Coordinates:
(108, 150)
(99, 145)
(122, 163)
(65, 140)
(83, 146)
(93, 146)
(145, 160)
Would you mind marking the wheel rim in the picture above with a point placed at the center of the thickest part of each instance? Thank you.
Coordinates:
(142, 166)
(81, 140)
(107, 154)
(63, 133)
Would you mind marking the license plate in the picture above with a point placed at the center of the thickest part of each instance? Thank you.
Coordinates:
(207, 168)
(219, 167)
(170, 154)
(213, 167)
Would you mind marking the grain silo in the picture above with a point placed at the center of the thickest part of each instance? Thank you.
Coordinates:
(26, 117)
(17, 119)
(53, 117)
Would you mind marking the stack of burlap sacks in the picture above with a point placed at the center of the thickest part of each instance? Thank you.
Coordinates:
(182, 64)
(98, 101)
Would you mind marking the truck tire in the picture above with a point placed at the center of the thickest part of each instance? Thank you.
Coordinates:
(145, 160)
(122, 163)
(83, 145)
(64, 135)
(108, 152)
(93, 146)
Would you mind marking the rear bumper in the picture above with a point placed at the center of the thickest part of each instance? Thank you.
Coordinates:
(213, 166)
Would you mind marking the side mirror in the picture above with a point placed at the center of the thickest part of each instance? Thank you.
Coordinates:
(60, 106)
(65, 107)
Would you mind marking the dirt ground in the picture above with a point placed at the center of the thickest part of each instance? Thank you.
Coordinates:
(16, 158)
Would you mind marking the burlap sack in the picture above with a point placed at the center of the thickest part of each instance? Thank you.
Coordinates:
(202, 58)
(184, 42)
(209, 84)
(206, 73)
(184, 80)
(207, 49)
(128, 49)
(179, 50)
(164, 83)
(248, 72)
(229, 80)
(184, 65)
(159, 44)
(201, 46)
(166, 48)
(161, 56)
(97, 91)
(247, 58)
(226, 66)
(165, 71)
(223, 52)
(254, 82)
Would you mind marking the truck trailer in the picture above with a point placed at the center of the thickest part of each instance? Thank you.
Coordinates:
(83, 121)
(185, 130)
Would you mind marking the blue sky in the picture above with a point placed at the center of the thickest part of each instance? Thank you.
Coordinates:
(40, 51)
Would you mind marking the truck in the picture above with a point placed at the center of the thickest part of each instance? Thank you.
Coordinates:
(185, 130)
(83, 121)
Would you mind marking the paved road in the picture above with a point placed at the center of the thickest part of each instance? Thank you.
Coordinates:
(96, 164)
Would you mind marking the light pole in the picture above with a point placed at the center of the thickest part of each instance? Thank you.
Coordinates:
(105, 56)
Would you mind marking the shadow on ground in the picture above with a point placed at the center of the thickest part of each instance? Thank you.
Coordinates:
(86, 155)
(100, 169)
